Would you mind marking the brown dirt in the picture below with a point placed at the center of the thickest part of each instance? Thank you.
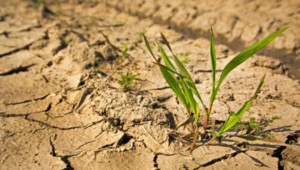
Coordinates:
(56, 113)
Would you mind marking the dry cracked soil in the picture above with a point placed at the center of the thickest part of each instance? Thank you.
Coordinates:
(61, 106)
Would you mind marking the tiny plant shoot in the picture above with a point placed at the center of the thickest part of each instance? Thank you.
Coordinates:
(180, 81)
(127, 80)
(116, 49)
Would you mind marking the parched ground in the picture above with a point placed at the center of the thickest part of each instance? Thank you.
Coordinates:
(61, 106)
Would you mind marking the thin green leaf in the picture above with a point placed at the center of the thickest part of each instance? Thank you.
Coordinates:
(188, 78)
(165, 58)
(179, 64)
(259, 87)
(187, 92)
(115, 48)
(172, 71)
(189, 120)
(189, 95)
(173, 83)
(213, 63)
(183, 84)
(184, 72)
(227, 120)
(246, 54)
(235, 117)
(124, 53)
(149, 47)
(166, 42)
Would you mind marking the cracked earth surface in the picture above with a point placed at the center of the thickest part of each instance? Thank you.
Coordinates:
(56, 113)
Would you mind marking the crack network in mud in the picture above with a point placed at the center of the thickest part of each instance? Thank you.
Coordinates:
(193, 33)
(65, 158)
(133, 139)
(277, 153)
(17, 70)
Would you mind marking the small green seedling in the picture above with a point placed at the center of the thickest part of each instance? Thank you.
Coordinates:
(127, 80)
(180, 81)
(96, 67)
(276, 117)
(117, 51)
(124, 52)
(114, 48)
(63, 43)
(253, 125)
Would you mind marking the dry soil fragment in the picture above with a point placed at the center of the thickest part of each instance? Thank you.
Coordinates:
(17, 60)
(251, 160)
(291, 157)
(18, 41)
(23, 87)
(129, 160)
(29, 151)
(83, 140)
(206, 154)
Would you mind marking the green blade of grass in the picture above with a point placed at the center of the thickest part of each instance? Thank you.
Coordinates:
(173, 83)
(213, 63)
(165, 58)
(172, 71)
(189, 96)
(186, 91)
(115, 48)
(149, 47)
(124, 52)
(184, 72)
(180, 66)
(235, 117)
(259, 87)
(244, 55)
(166, 42)
(188, 79)
(167, 71)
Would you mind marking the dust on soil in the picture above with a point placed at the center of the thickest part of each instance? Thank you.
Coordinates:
(60, 110)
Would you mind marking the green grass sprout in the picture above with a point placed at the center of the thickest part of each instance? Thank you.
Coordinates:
(127, 80)
(96, 67)
(233, 118)
(253, 125)
(180, 81)
(114, 48)
(124, 52)
(276, 117)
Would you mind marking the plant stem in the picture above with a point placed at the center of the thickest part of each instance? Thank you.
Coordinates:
(211, 140)
(196, 134)
(210, 108)
(206, 119)
(215, 134)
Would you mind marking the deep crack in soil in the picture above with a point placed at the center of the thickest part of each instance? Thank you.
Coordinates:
(65, 159)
